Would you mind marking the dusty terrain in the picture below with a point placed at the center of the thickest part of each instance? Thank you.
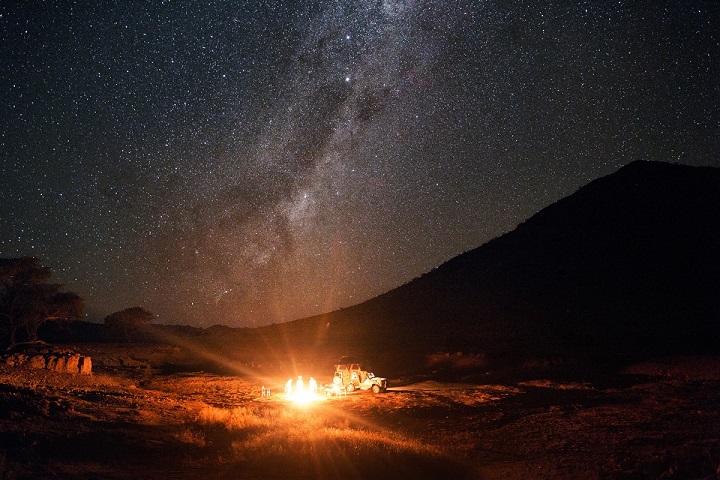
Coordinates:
(657, 420)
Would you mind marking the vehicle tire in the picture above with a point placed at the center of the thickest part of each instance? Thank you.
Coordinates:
(350, 387)
(376, 388)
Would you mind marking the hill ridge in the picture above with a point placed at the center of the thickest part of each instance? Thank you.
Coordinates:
(627, 266)
(627, 263)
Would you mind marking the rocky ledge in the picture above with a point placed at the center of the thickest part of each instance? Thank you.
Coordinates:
(48, 358)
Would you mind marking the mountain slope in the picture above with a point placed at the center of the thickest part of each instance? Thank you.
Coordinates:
(628, 265)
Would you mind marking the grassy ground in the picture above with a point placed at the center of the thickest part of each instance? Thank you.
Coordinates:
(660, 421)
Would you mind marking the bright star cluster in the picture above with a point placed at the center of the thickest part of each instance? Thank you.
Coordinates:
(254, 162)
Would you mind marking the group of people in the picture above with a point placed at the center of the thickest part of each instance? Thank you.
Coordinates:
(300, 386)
(312, 388)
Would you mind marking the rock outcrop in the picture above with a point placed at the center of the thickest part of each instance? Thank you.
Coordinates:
(63, 361)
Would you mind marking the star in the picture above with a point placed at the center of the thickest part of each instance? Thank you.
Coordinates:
(251, 163)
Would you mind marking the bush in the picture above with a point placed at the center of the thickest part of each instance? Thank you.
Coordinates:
(125, 325)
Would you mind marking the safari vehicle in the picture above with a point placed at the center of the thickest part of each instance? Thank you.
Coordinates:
(350, 375)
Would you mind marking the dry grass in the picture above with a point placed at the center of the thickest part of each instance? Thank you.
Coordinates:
(188, 426)
(191, 437)
(322, 440)
(233, 419)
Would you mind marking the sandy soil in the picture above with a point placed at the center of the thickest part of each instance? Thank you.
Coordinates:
(659, 420)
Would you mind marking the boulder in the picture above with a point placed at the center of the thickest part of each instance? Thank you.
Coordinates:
(37, 361)
(85, 366)
(73, 364)
(61, 364)
(52, 363)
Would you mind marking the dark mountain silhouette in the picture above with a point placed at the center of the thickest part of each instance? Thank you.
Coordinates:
(627, 266)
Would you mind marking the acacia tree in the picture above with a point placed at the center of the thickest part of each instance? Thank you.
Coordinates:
(27, 300)
(126, 323)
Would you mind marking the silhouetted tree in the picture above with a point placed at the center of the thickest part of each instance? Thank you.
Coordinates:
(126, 323)
(27, 300)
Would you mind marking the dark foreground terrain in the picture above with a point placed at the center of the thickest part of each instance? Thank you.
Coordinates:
(656, 420)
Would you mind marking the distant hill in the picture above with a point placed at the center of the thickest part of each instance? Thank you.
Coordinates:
(628, 265)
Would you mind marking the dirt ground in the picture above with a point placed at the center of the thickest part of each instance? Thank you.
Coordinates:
(658, 420)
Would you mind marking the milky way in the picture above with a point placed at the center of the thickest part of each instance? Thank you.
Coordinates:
(255, 162)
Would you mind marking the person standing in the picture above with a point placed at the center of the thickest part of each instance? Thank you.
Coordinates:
(288, 387)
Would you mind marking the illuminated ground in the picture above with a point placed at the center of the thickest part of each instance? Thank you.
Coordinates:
(660, 422)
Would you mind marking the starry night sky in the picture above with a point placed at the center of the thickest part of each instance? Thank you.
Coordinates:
(250, 162)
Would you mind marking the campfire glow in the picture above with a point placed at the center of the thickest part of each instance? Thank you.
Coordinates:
(300, 393)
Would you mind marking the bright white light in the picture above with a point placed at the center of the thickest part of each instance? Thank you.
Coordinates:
(300, 393)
